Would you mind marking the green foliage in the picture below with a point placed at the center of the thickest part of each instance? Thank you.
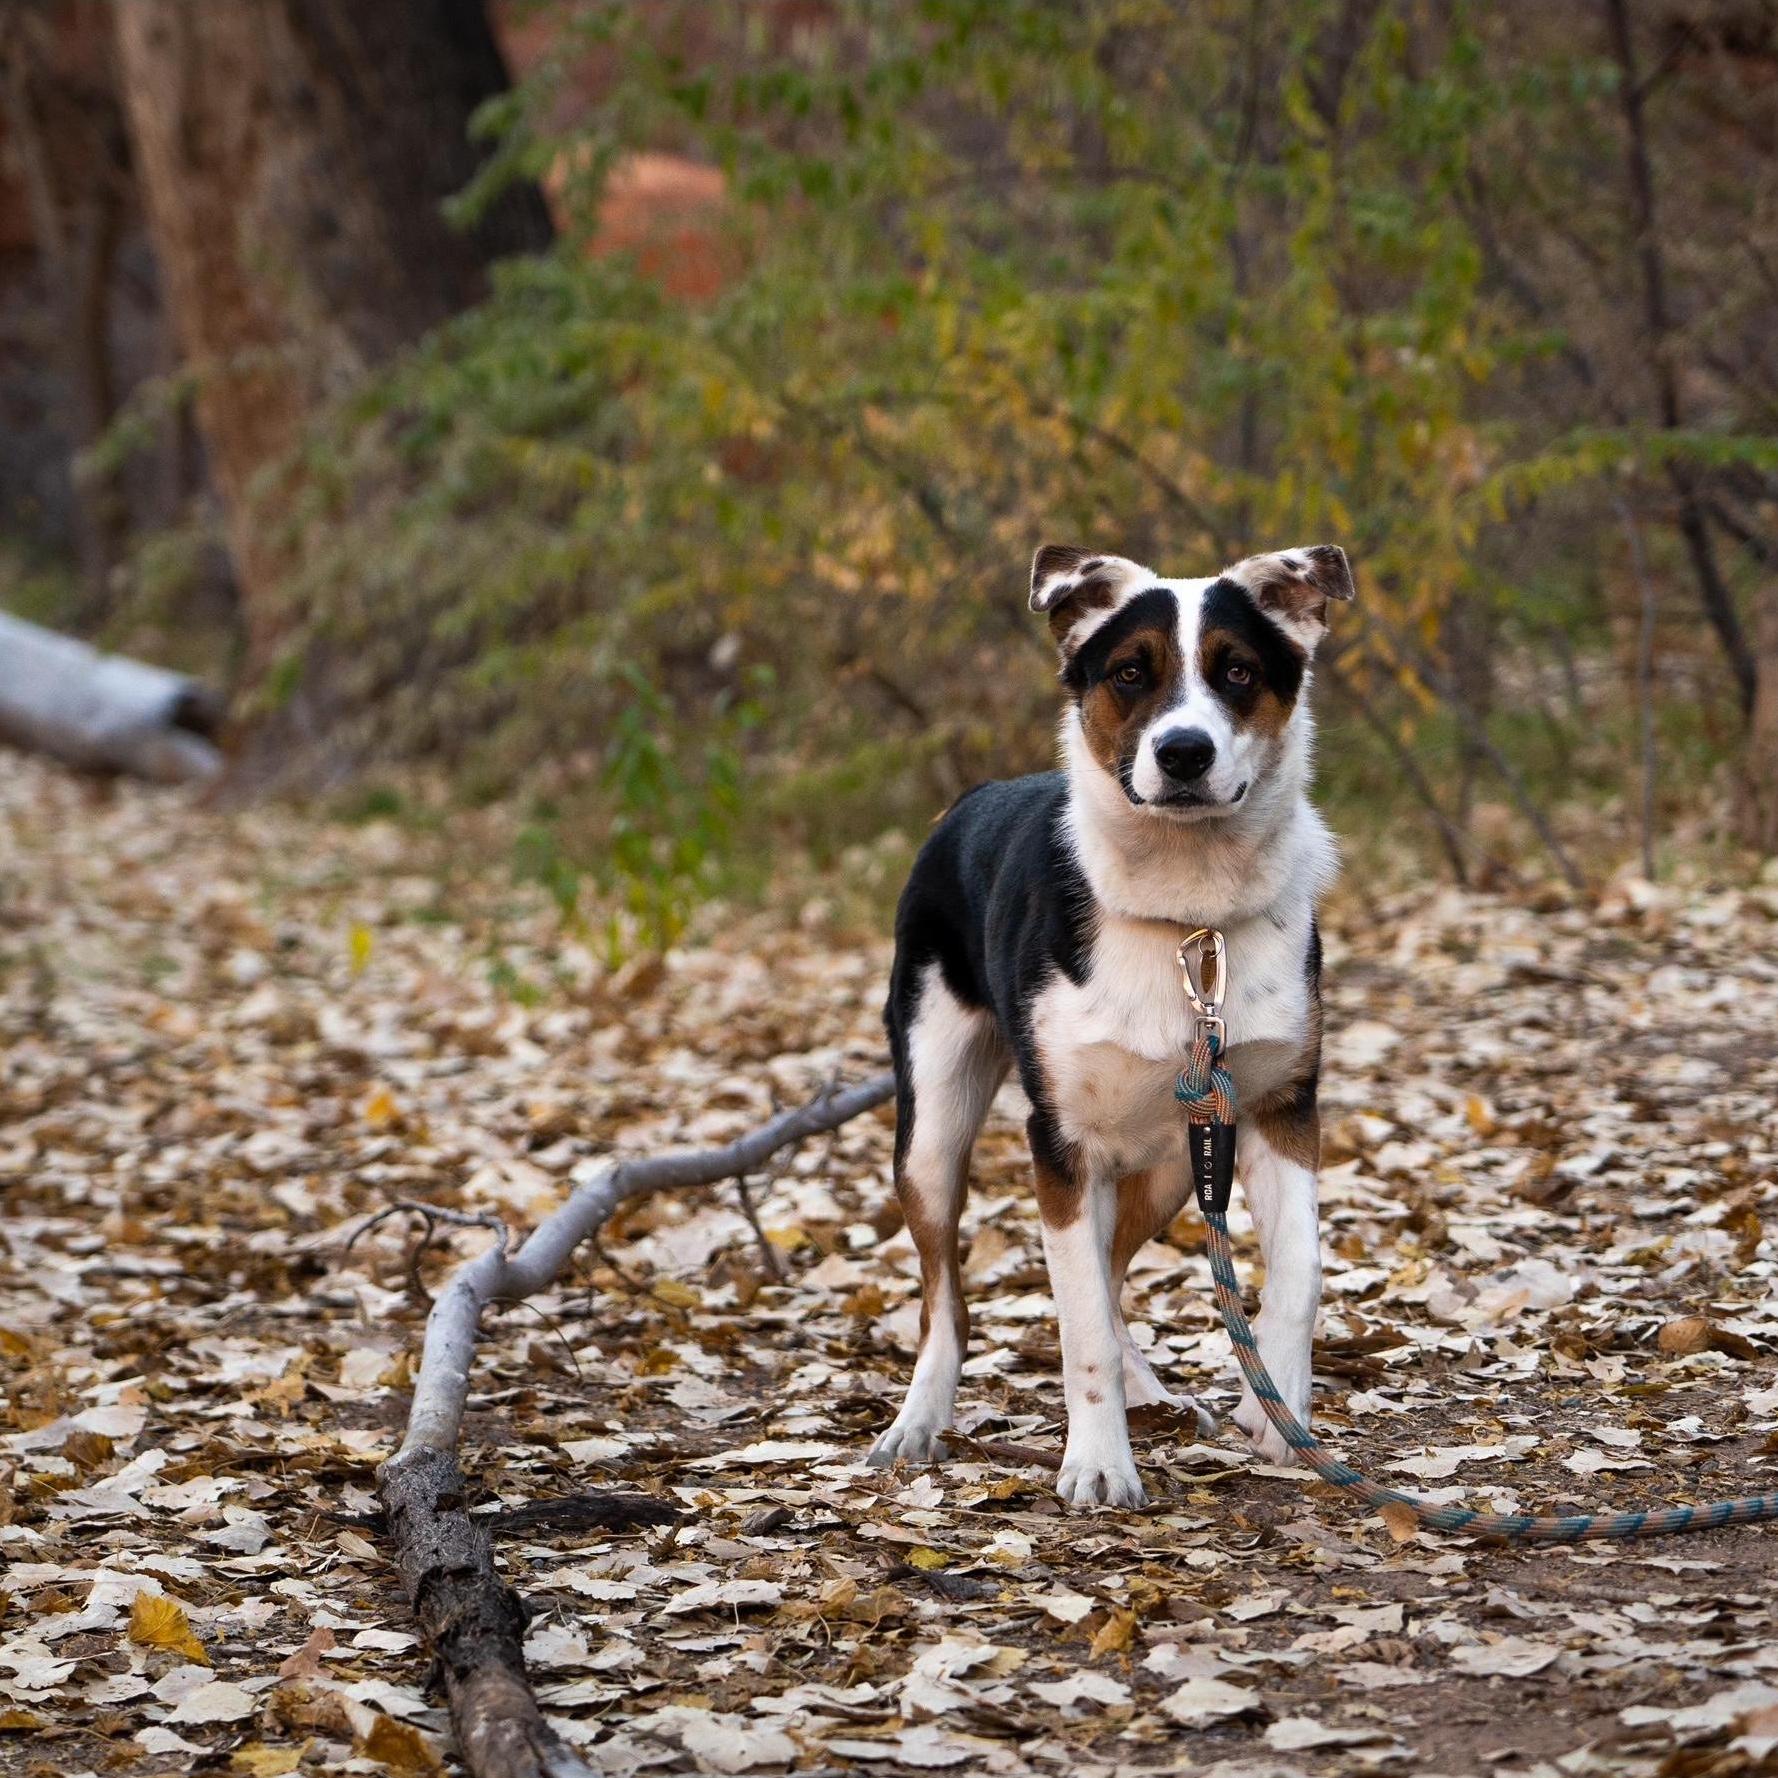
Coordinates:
(994, 272)
(669, 810)
(986, 272)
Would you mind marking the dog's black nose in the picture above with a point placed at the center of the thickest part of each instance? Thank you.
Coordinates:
(1184, 754)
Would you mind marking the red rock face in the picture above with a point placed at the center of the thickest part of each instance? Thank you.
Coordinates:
(663, 207)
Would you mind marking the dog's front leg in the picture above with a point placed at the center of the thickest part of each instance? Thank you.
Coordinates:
(1078, 1208)
(1275, 1157)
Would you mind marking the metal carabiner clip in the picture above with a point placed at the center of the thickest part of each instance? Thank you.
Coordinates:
(1203, 964)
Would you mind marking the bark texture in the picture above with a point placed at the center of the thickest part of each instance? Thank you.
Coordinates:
(101, 712)
(1759, 785)
(66, 133)
(294, 155)
(474, 1623)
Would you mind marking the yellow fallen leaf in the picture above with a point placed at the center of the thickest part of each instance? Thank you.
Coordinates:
(399, 1746)
(1002, 1663)
(675, 1294)
(159, 1622)
(19, 1722)
(926, 1560)
(260, 1761)
(381, 1110)
(359, 943)
(398, 1373)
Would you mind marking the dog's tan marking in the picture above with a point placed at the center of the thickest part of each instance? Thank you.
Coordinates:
(1292, 1129)
(1112, 718)
(935, 1242)
(1146, 1203)
(1059, 1197)
(1268, 714)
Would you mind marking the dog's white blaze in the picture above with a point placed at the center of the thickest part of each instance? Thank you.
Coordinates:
(1282, 1197)
(957, 1062)
(1241, 757)
(1096, 1462)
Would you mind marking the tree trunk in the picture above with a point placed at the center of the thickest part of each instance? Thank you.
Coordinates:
(1759, 760)
(295, 155)
(1713, 590)
(67, 136)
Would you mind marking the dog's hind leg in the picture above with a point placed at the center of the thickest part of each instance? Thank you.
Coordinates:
(949, 1063)
(1146, 1203)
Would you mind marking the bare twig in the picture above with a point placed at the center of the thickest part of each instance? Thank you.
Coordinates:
(774, 1261)
(1451, 836)
(1645, 683)
(473, 1622)
(1409, 655)
(430, 1215)
(1000, 1450)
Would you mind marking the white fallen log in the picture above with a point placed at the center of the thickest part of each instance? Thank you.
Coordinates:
(104, 712)
(473, 1622)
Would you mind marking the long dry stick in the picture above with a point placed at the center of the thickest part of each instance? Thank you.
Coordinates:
(474, 1624)
(1645, 682)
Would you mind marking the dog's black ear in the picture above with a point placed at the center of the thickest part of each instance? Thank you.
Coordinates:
(1293, 586)
(1068, 585)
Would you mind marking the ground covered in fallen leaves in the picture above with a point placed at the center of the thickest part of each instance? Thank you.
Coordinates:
(227, 1040)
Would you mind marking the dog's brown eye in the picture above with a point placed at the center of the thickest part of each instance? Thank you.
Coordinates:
(1129, 674)
(1236, 674)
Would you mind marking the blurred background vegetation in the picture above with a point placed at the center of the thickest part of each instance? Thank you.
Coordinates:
(640, 416)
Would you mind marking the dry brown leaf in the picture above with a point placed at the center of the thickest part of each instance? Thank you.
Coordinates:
(1115, 1634)
(1401, 1522)
(306, 1662)
(1688, 1335)
(1685, 1335)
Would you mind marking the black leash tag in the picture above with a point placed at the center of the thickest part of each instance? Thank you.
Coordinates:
(1213, 1163)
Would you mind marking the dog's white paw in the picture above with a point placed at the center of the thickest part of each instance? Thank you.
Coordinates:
(1260, 1433)
(1100, 1478)
(908, 1441)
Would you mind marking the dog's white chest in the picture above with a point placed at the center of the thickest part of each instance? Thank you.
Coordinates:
(1112, 1046)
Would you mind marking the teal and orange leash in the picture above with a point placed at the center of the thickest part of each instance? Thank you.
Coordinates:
(1207, 1090)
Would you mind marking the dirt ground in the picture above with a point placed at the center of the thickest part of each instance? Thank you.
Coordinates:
(227, 1039)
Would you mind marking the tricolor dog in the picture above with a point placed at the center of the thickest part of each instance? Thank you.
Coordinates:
(1038, 931)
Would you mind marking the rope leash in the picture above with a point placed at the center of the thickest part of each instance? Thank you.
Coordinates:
(1207, 1090)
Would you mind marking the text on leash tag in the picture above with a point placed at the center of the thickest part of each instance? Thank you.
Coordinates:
(1212, 1149)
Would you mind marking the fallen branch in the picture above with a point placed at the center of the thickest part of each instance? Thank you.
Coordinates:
(473, 1622)
(103, 712)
